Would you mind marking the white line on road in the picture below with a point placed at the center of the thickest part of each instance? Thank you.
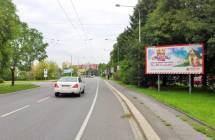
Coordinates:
(83, 127)
(43, 99)
(7, 114)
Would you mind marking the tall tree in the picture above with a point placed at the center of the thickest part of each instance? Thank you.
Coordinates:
(27, 46)
(165, 22)
(7, 16)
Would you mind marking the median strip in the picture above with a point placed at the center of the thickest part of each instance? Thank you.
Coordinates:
(146, 128)
(12, 112)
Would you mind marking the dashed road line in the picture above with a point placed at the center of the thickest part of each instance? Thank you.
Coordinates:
(43, 99)
(14, 111)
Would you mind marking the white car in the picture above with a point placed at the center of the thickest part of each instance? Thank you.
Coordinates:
(69, 85)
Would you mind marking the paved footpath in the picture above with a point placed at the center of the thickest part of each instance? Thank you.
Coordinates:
(163, 119)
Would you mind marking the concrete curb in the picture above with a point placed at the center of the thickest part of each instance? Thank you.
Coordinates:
(145, 127)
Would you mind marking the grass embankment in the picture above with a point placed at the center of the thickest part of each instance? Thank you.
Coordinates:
(7, 88)
(200, 104)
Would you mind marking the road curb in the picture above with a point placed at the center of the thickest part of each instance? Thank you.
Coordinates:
(145, 127)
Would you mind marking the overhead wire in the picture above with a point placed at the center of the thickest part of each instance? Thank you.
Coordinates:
(68, 18)
(79, 20)
(78, 17)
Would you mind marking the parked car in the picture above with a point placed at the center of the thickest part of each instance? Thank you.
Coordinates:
(69, 85)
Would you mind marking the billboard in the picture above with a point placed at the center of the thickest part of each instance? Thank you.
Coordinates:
(67, 71)
(175, 59)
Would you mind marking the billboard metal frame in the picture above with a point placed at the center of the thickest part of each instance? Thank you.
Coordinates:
(186, 73)
(175, 45)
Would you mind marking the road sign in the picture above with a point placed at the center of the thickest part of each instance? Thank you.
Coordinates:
(68, 71)
(45, 73)
(112, 70)
(118, 67)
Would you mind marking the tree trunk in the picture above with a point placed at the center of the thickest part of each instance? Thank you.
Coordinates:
(12, 76)
(164, 80)
(192, 81)
(204, 81)
(204, 77)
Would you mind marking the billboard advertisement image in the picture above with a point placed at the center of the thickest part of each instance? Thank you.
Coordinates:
(175, 59)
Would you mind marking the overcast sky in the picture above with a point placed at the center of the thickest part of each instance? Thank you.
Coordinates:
(80, 29)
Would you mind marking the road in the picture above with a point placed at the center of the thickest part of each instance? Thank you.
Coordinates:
(99, 114)
(38, 115)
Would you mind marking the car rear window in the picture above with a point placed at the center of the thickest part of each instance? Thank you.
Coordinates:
(68, 79)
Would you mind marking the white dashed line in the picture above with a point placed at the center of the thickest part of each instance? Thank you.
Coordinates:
(41, 100)
(7, 114)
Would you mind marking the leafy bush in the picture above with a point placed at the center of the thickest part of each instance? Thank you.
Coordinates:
(211, 82)
(1, 81)
(116, 76)
(22, 75)
(6, 75)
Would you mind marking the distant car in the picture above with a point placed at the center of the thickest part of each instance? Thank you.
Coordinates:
(69, 85)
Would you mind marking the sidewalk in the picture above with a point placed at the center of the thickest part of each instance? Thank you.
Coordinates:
(164, 120)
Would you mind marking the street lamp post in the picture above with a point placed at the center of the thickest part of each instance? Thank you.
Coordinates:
(139, 28)
(139, 18)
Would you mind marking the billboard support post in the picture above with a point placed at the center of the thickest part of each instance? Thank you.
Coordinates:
(175, 59)
(190, 85)
(159, 83)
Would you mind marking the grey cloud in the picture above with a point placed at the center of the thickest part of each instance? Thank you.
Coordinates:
(100, 18)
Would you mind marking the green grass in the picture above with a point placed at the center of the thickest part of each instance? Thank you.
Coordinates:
(7, 88)
(203, 129)
(29, 81)
(200, 104)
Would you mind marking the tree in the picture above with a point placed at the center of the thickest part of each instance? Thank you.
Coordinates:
(53, 70)
(27, 46)
(19, 44)
(38, 69)
(52, 67)
(7, 16)
(165, 22)
(184, 22)
(101, 68)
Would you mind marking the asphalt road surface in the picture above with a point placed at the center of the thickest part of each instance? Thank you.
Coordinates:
(38, 115)
(98, 114)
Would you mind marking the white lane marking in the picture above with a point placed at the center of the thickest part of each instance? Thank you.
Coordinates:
(7, 114)
(43, 99)
(83, 127)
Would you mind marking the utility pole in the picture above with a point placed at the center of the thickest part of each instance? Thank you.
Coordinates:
(71, 66)
(139, 57)
(71, 60)
(139, 84)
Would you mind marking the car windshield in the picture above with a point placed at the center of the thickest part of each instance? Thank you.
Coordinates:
(68, 79)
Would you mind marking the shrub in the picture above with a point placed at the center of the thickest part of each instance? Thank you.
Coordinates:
(116, 76)
(1, 81)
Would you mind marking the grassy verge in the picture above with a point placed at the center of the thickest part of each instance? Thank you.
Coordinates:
(203, 129)
(29, 81)
(199, 104)
(7, 88)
